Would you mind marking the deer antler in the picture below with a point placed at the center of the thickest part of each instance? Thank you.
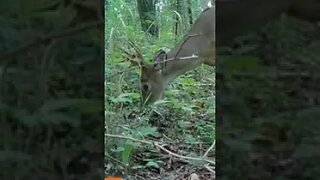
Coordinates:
(138, 55)
(135, 57)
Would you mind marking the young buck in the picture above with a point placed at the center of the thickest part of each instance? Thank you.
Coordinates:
(197, 47)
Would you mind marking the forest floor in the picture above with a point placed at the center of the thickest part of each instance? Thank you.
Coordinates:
(266, 90)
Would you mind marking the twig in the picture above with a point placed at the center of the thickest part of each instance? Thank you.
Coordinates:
(157, 144)
(175, 59)
(49, 38)
(210, 148)
(183, 157)
(130, 138)
(113, 159)
(209, 169)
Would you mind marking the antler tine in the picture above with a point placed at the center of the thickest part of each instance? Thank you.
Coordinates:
(130, 56)
(137, 50)
(126, 53)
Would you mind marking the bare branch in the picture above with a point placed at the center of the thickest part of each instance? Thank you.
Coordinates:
(158, 145)
(210, 148)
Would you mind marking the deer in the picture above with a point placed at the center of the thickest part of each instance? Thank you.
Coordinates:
(233, 18)
(185, 56)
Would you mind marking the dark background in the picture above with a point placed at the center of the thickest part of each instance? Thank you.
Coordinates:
(268, 113)
(51, 89)
(51, 94)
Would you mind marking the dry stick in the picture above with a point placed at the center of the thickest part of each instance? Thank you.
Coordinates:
(49, 38)
(113, 159)
(209, 149)
(183, 157)
(130, 138)
(175, 59)
(157, 144)
(210, 169)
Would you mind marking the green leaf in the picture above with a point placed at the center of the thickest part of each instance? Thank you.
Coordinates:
(144, 131)
(187, 81)
(153, 164)
(161, 101)
(128, 148)
(118, 149)
(191, 140)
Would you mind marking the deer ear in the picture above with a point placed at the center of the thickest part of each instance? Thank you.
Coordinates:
(158, 60)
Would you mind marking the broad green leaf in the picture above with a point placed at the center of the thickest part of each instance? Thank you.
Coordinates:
(128, 148)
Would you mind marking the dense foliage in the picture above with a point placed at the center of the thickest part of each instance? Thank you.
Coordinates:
(183, 121)
(51, 90)
(268, 104)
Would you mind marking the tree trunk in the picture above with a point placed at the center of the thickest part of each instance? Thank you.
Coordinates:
(147, 12)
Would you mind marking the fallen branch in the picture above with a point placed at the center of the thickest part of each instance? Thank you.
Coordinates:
(209, 149)
(183, 157)
(158, 145)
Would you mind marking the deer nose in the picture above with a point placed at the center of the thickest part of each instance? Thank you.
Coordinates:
(145, 88)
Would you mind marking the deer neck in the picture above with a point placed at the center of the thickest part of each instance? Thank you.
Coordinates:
(182, 60)
(177, 66)
(197, 42)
